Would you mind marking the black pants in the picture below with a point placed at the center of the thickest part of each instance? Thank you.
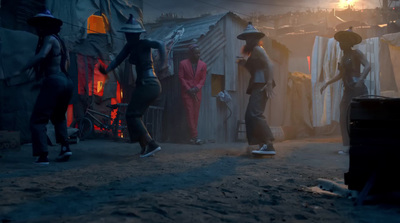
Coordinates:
(51, 104)
(145, 93)
(348, 94)
(257, 129)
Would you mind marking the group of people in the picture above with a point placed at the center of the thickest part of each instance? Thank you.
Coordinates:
(51, 62)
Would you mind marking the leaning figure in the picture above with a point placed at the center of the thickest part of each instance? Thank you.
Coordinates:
(147, 88)
(351, 75)
(50, 62)
(260, 89)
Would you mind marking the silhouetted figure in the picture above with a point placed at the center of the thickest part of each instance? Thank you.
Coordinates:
(50, 61)
(350, 74)
(147, 87)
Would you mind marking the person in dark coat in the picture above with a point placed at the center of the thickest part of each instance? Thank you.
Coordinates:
(50, 62)
(260, 88)
(147, 88)
(351, 75)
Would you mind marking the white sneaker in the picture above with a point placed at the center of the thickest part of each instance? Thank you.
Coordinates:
(150, 151)
(196, 141)
(265, 150)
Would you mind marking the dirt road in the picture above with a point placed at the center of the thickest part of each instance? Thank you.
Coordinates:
(106, 181)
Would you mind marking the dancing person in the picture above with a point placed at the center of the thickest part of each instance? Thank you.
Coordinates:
(260, 88)
(50, 61)
(351, 75)
(192, 75)
(147, 88)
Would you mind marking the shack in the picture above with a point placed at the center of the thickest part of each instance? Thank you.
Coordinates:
(216, 37)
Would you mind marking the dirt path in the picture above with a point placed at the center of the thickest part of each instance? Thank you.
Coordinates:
(106, 181)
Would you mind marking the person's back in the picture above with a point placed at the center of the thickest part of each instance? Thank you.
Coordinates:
(140, 56)
(53, 58)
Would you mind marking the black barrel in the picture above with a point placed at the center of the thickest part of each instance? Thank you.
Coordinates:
(374, 130)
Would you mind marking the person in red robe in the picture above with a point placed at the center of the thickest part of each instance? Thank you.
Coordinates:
(192, 75)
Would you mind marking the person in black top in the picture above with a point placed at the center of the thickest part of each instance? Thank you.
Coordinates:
(147, 87)
(351, 75)
(260, 88)
(50, 61)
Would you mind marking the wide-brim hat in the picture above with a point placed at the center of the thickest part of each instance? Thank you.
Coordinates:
(44, 19)
(250, 31)
(348, 36)
(132, 26)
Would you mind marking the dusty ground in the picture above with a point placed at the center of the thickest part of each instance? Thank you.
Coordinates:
(106, 181)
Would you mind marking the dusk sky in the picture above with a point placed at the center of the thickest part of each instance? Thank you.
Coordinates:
(193, 8)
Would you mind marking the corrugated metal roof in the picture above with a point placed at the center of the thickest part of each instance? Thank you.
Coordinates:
(193, 28)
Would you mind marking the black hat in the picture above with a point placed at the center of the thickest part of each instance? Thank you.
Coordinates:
(132, 26)
(250, 31)
(348, 36)
(44, 19)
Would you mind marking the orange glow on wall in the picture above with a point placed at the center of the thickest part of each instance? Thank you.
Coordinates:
(97, 24)
(90, 80)
(70, 114)
(99, 86)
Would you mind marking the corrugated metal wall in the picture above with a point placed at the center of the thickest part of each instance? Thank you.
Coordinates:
(219, 49)
(276, 106)
(211, 126)
(175, 127)
(233, 82)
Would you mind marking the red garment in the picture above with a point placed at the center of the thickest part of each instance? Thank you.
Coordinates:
(188, 81)
(87, 81)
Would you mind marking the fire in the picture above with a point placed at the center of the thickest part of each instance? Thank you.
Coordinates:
(346, 3)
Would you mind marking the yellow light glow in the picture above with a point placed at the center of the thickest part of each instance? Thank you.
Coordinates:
(346, 3)
(99, 86)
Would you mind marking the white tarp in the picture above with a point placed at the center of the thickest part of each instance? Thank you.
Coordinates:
(392, 40)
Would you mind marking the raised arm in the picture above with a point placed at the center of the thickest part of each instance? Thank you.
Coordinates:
(161, 50)
(117, 61)
(365, 63)
(47, 45)
(337, 77)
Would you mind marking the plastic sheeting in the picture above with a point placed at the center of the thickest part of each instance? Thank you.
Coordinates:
(299, 104)
(75, 14)
(391, 44)
(16, 47)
